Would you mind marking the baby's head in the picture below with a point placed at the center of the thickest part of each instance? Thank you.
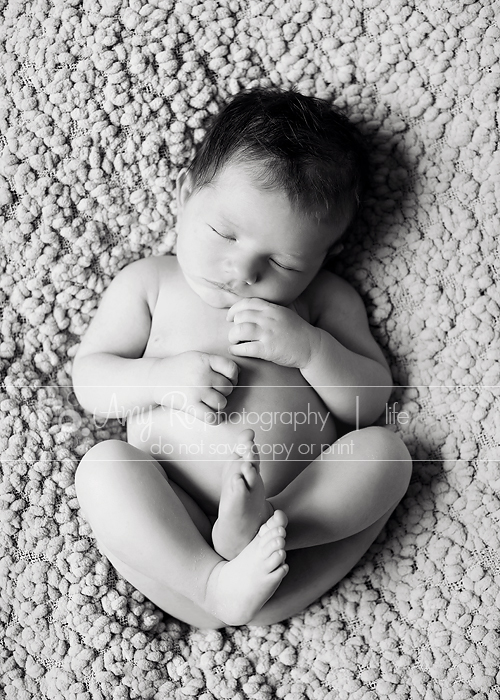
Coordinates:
(270, 191)
(291, 143)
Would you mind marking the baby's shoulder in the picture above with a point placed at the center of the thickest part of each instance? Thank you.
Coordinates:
(152, 274)
(156, 263)
(148, 269)
(328, 292)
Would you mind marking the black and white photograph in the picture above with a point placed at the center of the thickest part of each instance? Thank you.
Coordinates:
(249, 350)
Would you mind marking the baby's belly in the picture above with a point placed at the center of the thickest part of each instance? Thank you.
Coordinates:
(292, 426)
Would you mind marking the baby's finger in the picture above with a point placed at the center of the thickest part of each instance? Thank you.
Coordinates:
(204, 413)
(225, 366)
(243, 332)
(214, 399)
(245, 304)
(221, 384)
(252, 349)
(249, 316)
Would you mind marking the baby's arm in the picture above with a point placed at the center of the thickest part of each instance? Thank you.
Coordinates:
(112, 378)
(346, 366)
(335, 352)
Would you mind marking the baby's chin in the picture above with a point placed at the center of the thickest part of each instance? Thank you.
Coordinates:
(218, 304)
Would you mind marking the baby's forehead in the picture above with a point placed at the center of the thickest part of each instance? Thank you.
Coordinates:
(243, 177)
(259, 175)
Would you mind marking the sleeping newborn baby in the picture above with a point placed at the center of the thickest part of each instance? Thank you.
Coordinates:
(240, 495)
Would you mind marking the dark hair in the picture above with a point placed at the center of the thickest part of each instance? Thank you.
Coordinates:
(295, 143)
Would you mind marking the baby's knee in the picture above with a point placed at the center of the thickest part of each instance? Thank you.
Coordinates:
(386, 442)
(389, 454)
(99, 454)
(97, 470)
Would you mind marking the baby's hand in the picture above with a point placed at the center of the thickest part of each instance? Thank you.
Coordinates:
(194, 382)
(271, 332)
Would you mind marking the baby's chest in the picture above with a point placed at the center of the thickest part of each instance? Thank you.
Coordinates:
(184, 327)
(178, 327)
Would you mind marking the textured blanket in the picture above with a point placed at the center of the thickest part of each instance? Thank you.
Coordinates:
(101, 103)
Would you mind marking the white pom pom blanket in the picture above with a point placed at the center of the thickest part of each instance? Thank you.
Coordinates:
(101, 102)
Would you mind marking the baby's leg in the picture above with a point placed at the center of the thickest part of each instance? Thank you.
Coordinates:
(336, 508)
(346, 489)
(313, 571)
(139, 519)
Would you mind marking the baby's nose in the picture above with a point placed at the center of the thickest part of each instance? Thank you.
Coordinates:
(247, 270)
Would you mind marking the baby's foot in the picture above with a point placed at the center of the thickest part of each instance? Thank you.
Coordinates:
(243, 507)
(237, 589)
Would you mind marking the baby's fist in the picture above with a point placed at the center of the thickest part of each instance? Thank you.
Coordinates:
(271, 332)
(196, 383)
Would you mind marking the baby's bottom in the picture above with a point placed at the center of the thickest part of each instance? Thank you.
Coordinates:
(159, 539)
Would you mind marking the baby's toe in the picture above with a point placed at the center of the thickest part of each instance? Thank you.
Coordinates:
(272, 545)
(263, 529)
(246, 437)
(272, 522)
(271, 532)
(276, 559)
(250, 473)
(270, 535)
(238, 485)
(279, 519)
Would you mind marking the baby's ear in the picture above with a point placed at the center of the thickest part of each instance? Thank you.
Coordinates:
(333, 251)
(336, 249)
(184, 187)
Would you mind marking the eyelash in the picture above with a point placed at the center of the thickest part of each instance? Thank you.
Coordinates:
(227, 238)
(289, 269)
(230, 238)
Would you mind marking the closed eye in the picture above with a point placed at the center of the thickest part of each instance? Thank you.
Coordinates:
(283, 267)
(228, 238)
(232, 238)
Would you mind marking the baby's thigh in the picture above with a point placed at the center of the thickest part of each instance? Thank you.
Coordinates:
(108, 469)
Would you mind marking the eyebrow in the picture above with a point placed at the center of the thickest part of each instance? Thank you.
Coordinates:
(295, 256)
(227, 221)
